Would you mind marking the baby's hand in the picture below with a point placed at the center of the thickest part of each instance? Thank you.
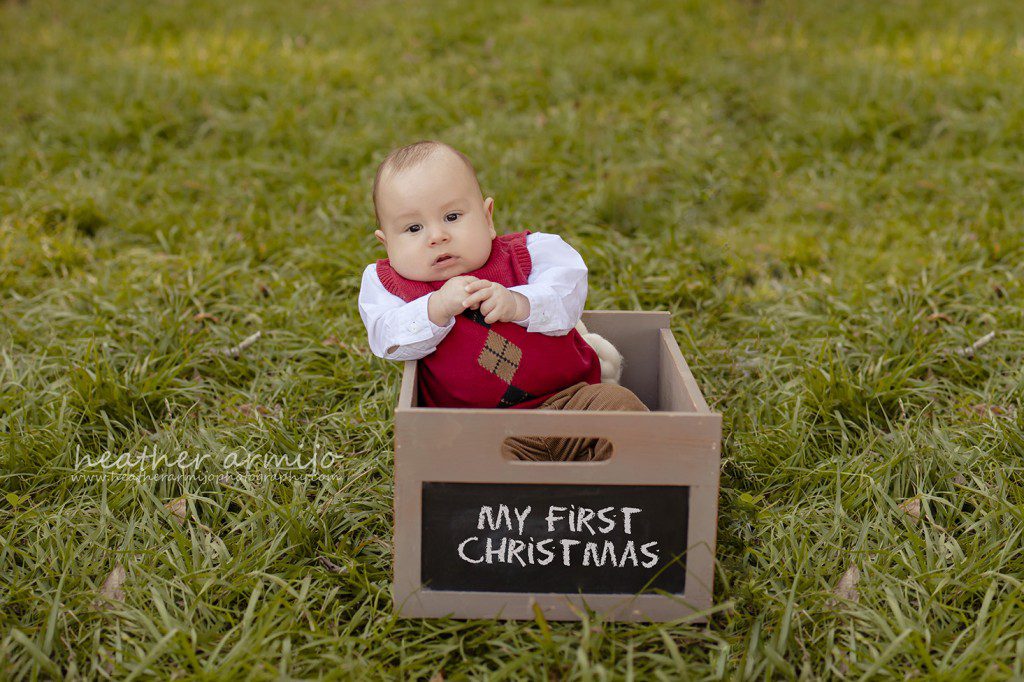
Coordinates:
(448, 300)
(496, 303)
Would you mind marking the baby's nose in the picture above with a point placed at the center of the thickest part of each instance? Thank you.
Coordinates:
(438, 236)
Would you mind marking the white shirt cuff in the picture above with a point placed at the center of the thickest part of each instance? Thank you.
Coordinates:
(546, 310)
(412, 329)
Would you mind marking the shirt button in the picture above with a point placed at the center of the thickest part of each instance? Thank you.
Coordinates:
(413, 326)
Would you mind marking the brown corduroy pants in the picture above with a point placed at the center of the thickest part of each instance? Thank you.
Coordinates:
(581, 396)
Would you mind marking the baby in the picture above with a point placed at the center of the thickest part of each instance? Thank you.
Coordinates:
(491, 319)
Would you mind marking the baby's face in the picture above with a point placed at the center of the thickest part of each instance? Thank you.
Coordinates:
(434, 223)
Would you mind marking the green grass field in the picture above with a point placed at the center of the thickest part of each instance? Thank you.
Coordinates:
(828, 197)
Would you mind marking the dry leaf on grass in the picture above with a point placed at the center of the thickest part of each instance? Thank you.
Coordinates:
(333, 340)
(846, 589)
(969, 351)
(934, 317)
(331, 566)
(236, 351)
(437, 677)
(988, 410)
(251, 410)
(111, 588)
(179, 512)
(178, 509)
(912, 507)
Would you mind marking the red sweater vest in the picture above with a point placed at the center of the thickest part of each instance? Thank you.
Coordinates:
(501, 364)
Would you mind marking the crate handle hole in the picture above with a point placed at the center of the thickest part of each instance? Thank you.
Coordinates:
(556, 449)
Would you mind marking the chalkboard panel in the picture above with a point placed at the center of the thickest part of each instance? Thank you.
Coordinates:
(591, 539)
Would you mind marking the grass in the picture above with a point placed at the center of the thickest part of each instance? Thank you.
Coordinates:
(828, 198)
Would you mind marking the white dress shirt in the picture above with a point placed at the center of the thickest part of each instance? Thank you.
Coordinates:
(556, 289)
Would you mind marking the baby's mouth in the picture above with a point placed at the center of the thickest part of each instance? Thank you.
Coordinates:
(443, 258)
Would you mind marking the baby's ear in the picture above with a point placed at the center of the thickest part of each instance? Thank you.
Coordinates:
(489, 212)
(380, 237)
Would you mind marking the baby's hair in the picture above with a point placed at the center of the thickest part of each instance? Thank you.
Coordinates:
(409, 156)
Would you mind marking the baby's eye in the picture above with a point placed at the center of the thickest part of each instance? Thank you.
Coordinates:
(414, 228)
(451, 217)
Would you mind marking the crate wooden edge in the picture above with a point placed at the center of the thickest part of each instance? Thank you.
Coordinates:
(554, 606)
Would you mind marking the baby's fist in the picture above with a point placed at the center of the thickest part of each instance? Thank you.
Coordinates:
(496, 303)
(448, 300)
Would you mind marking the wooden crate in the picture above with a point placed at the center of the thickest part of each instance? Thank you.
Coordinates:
(669, 457)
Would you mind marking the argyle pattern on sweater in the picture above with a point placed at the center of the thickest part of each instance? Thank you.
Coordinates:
(501, 358)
